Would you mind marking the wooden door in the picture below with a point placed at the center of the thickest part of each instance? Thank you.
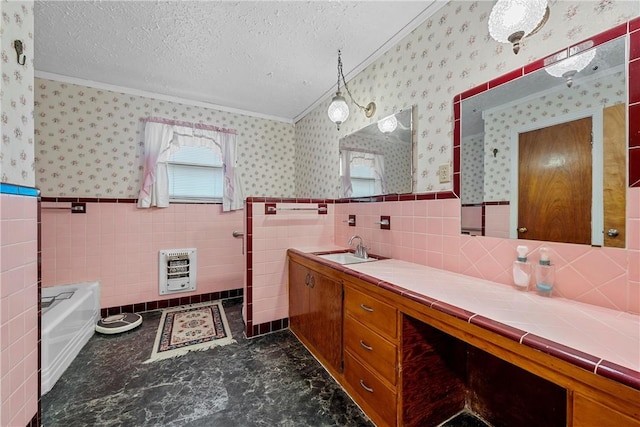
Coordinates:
(554, 183)
(298, 298)
(615, 178)
(325, 304)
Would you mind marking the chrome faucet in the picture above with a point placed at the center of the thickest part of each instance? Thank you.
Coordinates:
(361, 250)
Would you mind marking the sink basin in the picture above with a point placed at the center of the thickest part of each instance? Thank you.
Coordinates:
(346, 258)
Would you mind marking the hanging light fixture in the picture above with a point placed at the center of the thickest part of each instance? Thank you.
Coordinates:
(512, 20)
(338, 109)
(388, 124)
(569, 67)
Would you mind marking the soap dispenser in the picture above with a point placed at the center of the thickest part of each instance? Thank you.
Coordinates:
(521, 269)
(545, 274)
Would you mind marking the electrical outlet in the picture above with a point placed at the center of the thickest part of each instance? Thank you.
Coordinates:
(444, 173)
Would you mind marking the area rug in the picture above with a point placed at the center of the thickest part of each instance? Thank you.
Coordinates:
(189, 328)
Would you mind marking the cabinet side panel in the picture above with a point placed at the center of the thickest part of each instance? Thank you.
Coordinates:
(506, 395)
(433, 374)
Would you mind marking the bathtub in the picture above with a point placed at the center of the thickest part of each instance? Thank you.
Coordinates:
(67, 325)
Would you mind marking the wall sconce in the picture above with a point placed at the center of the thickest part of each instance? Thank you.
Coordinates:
(338, 109)
(568, 68)
(17, 45)
(388, 124)
(512, 20)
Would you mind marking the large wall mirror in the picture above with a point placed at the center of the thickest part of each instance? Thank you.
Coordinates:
(543, 157)
(378, 159)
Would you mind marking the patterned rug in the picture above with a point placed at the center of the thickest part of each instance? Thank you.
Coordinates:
(190, 327)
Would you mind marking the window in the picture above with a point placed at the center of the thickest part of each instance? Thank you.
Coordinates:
(195, 173)
(362, 180)
(362, 173)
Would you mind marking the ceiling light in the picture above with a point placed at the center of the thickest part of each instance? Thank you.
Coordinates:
(388, 124)
(338, 109)
(512, 20)
(568, 68)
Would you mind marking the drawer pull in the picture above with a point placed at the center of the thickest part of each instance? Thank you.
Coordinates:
(364, 386)
(366, 308)
(365, 346)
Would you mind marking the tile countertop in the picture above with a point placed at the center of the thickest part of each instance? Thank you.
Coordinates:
(607, 341)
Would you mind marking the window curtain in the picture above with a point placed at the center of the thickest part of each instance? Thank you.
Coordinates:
(374, 161)
(232, 190)
(345, 164)
(162, 137)
(155, 179)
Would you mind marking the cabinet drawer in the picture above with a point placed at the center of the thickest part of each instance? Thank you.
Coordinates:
(371, 312)
(371, 348)
(371, 390)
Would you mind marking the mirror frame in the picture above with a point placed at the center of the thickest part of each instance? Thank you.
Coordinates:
(631, 29)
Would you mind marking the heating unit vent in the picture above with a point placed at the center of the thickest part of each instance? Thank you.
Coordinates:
(177, 270)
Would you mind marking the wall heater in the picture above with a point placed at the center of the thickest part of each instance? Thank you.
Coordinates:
(177, 270)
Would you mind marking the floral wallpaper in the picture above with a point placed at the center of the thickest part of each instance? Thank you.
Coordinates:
(500, 123)
(89, 142)
(472, 170)
(448, 54)
(16, 96)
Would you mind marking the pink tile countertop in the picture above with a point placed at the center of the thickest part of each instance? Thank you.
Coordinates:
(604, 341)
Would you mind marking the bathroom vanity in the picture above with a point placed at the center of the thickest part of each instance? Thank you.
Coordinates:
(412, 346)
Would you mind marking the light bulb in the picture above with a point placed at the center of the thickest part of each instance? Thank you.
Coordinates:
(338, 109)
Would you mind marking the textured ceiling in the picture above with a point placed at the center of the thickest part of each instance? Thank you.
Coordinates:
(269, 58)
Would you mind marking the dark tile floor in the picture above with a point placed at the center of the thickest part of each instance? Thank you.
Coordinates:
(266, 381)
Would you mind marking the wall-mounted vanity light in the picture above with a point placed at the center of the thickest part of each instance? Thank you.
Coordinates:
(388, 124)
(512, 20)
(338, 109)
(568, 68)
(22, 58)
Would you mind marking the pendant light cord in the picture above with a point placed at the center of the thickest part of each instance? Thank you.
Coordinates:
(341, 75)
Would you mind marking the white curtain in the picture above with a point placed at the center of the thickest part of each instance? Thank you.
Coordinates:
(232, 191)
(373, 161)
(345, 175)
(155, 179)
(380, 184)
(161, 140)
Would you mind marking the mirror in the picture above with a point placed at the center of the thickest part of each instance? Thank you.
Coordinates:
(377, 159)
(543, 157)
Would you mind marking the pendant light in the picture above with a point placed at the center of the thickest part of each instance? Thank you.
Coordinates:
(512, 20)
(388, 124)
(569, 67)
(338, 109)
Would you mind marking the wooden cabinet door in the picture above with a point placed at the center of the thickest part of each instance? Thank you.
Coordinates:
(298, 298)
(325, 304)
(587, 413)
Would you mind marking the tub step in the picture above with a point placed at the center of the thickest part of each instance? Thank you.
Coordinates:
(47, 301)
